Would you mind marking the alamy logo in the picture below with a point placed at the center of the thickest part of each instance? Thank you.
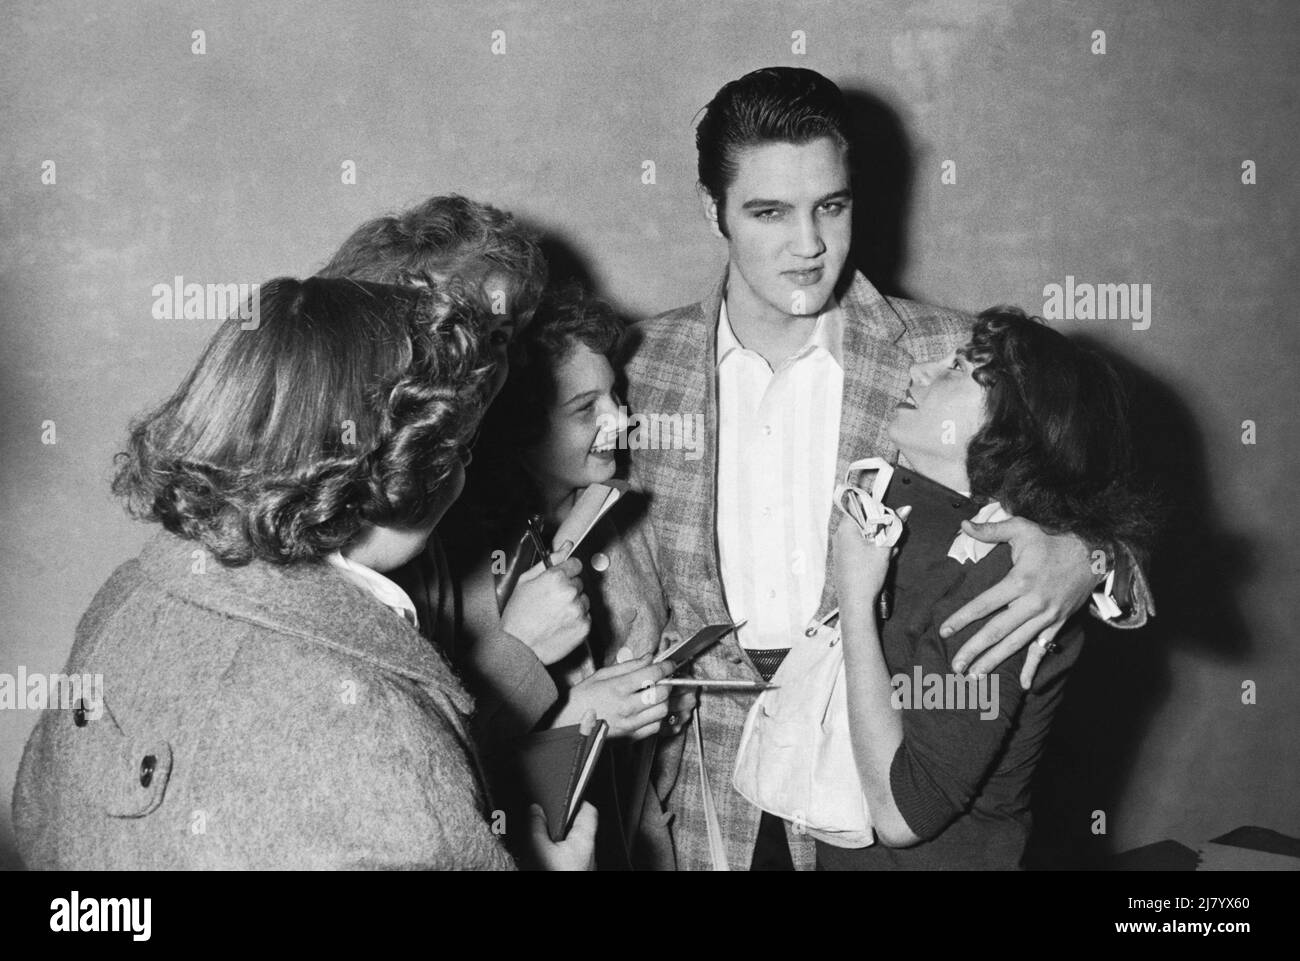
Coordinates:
(654, 431)
(919, 691)
(1071, 301)
(181, 301)
(36, 691)
(75, 914)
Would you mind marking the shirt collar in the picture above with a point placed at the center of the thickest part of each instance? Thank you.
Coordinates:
(376, 585)
(828, 334)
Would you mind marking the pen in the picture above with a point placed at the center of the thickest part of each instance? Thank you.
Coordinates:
(539, 545)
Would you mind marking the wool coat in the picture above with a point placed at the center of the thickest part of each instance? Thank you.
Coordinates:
(261, 716)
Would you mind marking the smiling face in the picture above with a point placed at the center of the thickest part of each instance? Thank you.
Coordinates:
(934, 424)
(584, 422)
(788, 216)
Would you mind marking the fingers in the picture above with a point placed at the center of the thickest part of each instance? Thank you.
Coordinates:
(648, 730)
(995, 598)
(625, 667)
(652, 717)
(643, 679)
(1009, 646)
(992, 633)
(588, 722)
(1033, 656)
(995, 532)
(584, 823)
(537, 819)
(561, 554)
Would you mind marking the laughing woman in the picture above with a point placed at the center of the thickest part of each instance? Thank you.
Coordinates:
(268, 699)
(1021, 421)
(552, 432)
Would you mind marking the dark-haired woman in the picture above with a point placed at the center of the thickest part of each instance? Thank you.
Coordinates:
(1021, 421)
(268, 700)
(553, 431)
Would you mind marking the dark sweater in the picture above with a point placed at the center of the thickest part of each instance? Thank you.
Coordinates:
(961, 781)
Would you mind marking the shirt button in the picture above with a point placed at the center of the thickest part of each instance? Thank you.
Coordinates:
(771, 595)
(767, 430)
(599, 562)
(767, 512)
(146, 769)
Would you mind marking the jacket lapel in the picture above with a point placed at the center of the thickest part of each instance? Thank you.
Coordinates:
(875, 380)
(698, 362)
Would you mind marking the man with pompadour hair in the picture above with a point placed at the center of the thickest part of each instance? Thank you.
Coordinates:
(796, 362)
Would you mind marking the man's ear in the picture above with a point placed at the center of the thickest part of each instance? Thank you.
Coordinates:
(710, 206)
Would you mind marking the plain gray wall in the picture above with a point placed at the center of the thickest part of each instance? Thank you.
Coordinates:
(1122, 167)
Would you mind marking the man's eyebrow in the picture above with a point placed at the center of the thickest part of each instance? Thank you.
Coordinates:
(577, 397)
(845, 194)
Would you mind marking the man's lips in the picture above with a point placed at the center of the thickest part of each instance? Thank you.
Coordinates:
(806, 276)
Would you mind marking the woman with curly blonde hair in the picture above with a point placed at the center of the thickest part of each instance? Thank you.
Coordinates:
(268, 701)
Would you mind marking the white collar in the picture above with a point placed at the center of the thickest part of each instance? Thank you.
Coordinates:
(828, 334)
(376, 585)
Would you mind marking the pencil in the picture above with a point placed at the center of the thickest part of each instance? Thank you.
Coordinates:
(695, 682)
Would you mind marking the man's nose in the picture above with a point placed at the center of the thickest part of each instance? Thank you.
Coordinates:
(807, 241)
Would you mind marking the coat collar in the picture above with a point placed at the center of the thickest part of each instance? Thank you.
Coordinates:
(307, 600)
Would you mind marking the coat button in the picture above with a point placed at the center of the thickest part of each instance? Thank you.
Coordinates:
(79, 714)
(146, 769)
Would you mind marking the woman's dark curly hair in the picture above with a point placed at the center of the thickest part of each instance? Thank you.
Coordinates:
(1055, 447)
(497, 486)
(346, 404)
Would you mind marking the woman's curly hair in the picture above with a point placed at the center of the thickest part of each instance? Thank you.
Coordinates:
(347, 403)
(1055, 446)
(498, 487)
(443, 237)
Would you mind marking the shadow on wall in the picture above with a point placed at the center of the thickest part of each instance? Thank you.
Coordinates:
(1122, 678)
(883, 163)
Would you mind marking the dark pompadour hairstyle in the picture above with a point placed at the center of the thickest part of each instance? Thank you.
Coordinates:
(1055, 447)
(770, 105)
(440, 238)
(346, 404)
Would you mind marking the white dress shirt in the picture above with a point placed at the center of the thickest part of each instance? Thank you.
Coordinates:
(778, 440)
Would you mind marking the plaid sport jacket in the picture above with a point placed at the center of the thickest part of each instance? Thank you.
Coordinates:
(671, 369)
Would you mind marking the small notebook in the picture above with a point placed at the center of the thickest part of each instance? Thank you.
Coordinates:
(552, 768)
(593, 503)
(685, 651)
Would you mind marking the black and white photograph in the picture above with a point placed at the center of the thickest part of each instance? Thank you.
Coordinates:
(588, 436)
